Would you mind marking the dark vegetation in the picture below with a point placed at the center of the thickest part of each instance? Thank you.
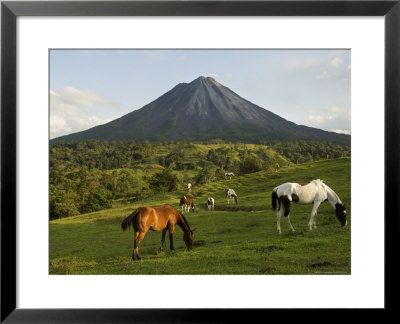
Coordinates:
(88, 176)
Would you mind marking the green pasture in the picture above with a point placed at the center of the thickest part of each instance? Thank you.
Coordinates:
(233, 239)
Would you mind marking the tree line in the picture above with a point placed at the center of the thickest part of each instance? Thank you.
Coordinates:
(88, 176)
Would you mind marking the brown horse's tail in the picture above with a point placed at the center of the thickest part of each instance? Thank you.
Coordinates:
(127, 222)
(274, 199)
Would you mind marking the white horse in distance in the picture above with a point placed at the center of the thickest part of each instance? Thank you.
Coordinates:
(210, 203)
(231, 194)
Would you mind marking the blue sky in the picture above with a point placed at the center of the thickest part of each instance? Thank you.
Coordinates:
(92, 87)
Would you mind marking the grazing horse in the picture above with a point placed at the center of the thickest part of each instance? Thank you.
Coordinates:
(189, 187)
(210, 203)
(186, 203)
(315, 192)
(230, 193)
(229, 175)
(156, 219)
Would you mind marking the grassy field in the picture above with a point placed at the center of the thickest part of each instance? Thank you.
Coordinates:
(233, 239)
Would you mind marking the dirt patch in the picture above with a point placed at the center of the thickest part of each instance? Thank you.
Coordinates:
(254, 223)
(320, 264)
(216, 242)
(269, 248)
(233, 208)
(199, 243)
(267, 270)
(109, 220)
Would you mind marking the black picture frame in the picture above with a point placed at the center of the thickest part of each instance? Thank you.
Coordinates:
(10, 10)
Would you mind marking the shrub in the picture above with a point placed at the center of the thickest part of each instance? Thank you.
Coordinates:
(164, 181)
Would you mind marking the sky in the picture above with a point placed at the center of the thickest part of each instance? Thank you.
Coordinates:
(92, 87)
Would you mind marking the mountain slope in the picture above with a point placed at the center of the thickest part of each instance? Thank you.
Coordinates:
(201, 110)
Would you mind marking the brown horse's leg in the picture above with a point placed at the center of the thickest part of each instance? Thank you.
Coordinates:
(138, 238)
(134, 245)
(171, 237)
(162, 239)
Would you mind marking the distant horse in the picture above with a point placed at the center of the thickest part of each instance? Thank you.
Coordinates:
(315, 192)
(189, 187)
(229, 175)
(230, 193)
(276, 167)
(210, 203)
(186, 203)
(156, 219)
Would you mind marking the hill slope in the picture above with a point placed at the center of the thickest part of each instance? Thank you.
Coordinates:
(233, 239)
(201, 110)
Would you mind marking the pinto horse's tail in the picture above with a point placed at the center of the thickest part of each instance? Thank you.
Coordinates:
(274, 199)
(127, 222)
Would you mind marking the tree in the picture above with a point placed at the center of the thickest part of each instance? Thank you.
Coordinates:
(205, 175)
(251, 164)
(164, 181)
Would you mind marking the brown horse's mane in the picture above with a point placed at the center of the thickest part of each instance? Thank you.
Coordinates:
(184, 219)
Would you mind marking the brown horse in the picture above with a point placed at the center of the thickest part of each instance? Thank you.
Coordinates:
(186, 203)
(156, 219)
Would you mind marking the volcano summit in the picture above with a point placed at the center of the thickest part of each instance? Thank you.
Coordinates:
(202, 110)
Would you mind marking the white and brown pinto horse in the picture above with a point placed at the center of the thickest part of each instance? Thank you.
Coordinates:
(229, 175)
(186, 203)
(210, 203)
(156, 219)
(231, 194)
(315, 192)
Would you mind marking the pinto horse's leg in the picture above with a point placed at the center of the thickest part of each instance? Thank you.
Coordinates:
(290, 224)
(278, 219)
(286, 204)
(162, 239)
(312, 221)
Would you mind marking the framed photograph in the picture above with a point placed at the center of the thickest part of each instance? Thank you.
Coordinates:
(109, 106)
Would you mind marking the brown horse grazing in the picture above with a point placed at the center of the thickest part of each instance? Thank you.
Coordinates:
(156, 219)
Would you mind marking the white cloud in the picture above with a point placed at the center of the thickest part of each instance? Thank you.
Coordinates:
(73, 110)
(81, 97)
(212, 75)
(331, 118)
(323, 76)
(341, 131)
(336, 62)
(297, 65)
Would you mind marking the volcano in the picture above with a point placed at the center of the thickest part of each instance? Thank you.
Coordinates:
(203, 110)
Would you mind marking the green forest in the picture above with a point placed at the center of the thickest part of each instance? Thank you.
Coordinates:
(89, 176)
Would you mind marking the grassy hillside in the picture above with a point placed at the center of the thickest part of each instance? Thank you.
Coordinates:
(233, 239)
